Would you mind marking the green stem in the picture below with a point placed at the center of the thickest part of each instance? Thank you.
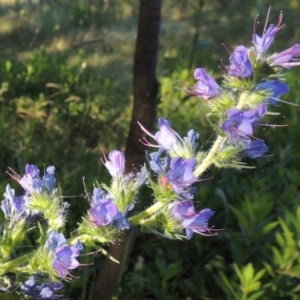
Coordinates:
(209, 159)
(82, 238)
(12, 265)
(146, 213)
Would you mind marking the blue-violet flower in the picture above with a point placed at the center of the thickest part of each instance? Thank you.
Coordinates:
(41, 290)
(276, 87)
(116, 163)
(263, 43)
(239, 124)
(284, 58)
(240, 65)
(206, 87)
(255, 149)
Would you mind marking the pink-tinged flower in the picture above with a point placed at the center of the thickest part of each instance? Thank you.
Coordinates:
(116, 163)
(263, 43)
(239, 124)
(31, 181)
(206, 87)
(285, 58)
(166, 137)
(240, 65)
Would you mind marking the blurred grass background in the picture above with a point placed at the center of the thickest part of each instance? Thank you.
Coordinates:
(66, 93)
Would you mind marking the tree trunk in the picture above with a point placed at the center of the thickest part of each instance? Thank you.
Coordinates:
(145, 89)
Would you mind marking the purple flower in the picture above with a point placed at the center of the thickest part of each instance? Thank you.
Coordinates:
(49, 179)
(263, 43)
(65, 259)
(166, 137)
(239, 124)
(255, 149)
(206, 87)
(284, 58)
(169, 140)
(240, 65)
(183, 209)
(64, 256)
(104, 213)
(116, 163)
(31, 181)
(13, 206)
(277, 88)
(181, 175)
(191, 221)
(197, 223)
(41, 290)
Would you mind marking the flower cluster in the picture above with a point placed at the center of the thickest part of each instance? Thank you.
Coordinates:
(110, 205)
(253, 80)
(16, 207)
(174, 164)
(39, 199)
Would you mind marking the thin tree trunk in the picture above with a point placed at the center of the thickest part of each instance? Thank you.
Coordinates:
(145, 88)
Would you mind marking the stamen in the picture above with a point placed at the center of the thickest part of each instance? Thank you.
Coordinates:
(267, 19)
(255, 24)
(226, 48)
(145, 130)
(286, 102)
(13, 174)
(224, 66)
(145, 142)
(280, 20)
(272, 125)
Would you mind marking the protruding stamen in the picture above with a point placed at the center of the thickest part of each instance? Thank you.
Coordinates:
(286, 102)
(267, 19)
(226, 48)
(255, 24)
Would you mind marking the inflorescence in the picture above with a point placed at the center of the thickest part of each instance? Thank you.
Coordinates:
(252, 82)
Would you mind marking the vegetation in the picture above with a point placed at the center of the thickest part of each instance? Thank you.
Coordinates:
(66, 94)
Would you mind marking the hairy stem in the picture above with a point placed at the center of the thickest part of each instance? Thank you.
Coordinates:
(146, 213)
(209, 159)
